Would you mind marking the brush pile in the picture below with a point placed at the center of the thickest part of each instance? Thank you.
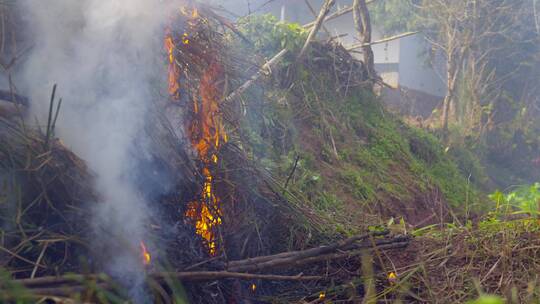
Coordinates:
(239, 234)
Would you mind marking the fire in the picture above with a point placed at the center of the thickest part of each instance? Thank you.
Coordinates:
(206, 214)
(174, 70)
(205, 130)
(206, 134)
(145, 255)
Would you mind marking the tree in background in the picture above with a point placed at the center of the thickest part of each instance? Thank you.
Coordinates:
(491, 54)
(486, 44)
(362, 23)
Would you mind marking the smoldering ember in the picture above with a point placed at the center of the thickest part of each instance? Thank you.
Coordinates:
(269, 151)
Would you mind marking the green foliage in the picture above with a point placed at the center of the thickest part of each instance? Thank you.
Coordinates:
(379, 160)
(358, 185)
(525, 198)
(424, 146)
(11, 292)
(328, 202)
(487, 299)
(270, 35)
(493, 101)
(393, 16)
(470, 164)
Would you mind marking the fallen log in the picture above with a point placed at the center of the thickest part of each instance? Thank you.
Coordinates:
(66, 286)
(73, 280)
(216, 275)
(308, 252)
(300, 260)
(241, 270)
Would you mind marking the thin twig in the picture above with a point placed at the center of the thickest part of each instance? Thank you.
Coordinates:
(39, 259)
(292, 171)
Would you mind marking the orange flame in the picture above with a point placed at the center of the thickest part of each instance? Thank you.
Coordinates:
(174, 69)
(205, 131)
(206, 134)
(145, 255)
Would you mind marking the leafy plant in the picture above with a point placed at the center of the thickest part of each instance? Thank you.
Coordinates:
(524, 198)
(270, 35)
(487, 299)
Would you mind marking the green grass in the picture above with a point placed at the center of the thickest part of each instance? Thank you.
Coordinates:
(379, 159)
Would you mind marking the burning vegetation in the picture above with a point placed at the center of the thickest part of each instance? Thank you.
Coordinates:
(204, 127)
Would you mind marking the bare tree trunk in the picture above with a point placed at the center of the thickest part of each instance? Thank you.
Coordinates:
(448, 98)
(362, 23)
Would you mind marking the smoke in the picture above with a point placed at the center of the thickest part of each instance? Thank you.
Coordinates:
(106, 57)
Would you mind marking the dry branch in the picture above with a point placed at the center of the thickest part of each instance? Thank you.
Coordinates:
(308, 252)
(216, 275)
(344, 11)
(238, 269)
(317, 255)
(312, 10)
(387, 39)
(264, 70)
(72, 284)
(325, 9)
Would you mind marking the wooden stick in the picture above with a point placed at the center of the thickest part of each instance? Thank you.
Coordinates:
(13, 254)
(360, 45)
(341, 12)
(348, 254)
(39, 259)
(314, 13)
(265, 69)
(292, 171)
(73, 281)
(308, 252)
(325, 9)
(307, 259)
(216, 275)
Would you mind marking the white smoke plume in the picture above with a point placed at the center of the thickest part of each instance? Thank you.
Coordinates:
(107, 58)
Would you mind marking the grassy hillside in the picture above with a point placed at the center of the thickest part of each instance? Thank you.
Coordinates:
(328, 138)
